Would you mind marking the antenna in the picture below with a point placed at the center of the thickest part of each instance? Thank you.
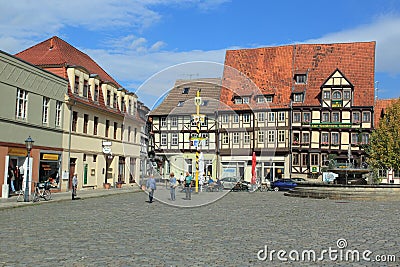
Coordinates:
(190, 75)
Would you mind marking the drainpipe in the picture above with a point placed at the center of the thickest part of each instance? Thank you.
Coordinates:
(70, 105)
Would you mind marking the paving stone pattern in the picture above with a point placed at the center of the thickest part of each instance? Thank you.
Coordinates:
(125, 230)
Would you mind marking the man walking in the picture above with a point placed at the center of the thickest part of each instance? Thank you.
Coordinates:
(151, 187)
(188, 186)
(74, 185)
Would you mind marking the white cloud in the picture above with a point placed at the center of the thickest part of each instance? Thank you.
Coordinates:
(384, 30)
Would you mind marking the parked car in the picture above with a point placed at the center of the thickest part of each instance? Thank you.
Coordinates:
(283, 184)
(229, 182)
(297, 179)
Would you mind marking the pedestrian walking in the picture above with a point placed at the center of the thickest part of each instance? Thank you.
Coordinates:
(151, 187)
(74, 185)
(172, 184)
(188, 186)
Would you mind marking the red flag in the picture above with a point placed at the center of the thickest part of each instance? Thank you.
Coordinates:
(253, 168)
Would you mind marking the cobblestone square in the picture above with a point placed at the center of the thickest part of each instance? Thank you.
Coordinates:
(125, 230)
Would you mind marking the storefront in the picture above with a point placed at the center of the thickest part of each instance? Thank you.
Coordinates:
(49, 168)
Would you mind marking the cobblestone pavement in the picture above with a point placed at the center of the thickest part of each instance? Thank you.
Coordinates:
(125, 230)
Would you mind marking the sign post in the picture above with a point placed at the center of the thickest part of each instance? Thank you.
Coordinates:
(197, 101)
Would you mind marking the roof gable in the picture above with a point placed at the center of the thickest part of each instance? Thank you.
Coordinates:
(337, 79)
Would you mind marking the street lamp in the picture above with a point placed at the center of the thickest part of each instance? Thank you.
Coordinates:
(28, 143)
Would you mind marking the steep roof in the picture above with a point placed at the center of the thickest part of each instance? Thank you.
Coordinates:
(380, 109)
(272, 70)
(57, 52)
(179, 102)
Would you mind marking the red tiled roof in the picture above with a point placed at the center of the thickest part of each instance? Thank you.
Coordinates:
(55, 51)
(272, 70)
(380, 109)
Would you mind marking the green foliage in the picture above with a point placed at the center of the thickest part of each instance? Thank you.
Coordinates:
(384, 148)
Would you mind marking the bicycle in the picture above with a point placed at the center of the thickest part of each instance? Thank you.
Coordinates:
(41, 192)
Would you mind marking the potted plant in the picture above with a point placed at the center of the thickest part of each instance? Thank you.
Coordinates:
(107, 185)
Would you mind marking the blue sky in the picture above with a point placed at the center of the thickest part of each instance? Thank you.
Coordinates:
(144, 44)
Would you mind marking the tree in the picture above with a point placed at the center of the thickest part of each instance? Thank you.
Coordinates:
(384, 149)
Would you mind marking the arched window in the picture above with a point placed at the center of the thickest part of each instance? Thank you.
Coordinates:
(337, 95)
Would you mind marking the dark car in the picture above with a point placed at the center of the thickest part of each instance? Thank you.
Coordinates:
(283, 184)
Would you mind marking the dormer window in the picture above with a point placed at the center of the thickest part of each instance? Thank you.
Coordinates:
(185, 90)
(180, 103)
(268, 98)
(327, 95)
(204, 103)
(260, 99)
(115, 101)
(300, 78)
(108, 98)
(76, 85)
(85, 88)
(346, 94)
(298, 97)
(337, 95)
(238, 100)
(246, 100)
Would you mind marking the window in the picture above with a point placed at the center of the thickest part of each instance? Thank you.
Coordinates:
(107, 128)
(271, 116)
(296, 117)
(261, 136)
(205, 140)
(281, 116)
(296, 138)
(174, 121)
(45, 111)
(225, 118)
(204, 103)
(22, 104)
(163, 139)
(365, 138)
(85, 88)
(76, 85)
(325, 117)
(305, 138)
(335, 117)
(314, 159)
(84, 157)
(298, 97)
(304, 159)
(129, 133)
(356, 117)
(268, 98)
(122, 131)
(115, 101)
(346, 95)
(354, 139)
(185, 90)
(281, 136)
(335, 139)
(261, 116)
(134, 134)
(180, 103)
(225, 138)
(95, 125)
(58, 113)
(108, 98)
(337, 95)
(238, 100)
(306, 117)
(205, 122)
(271, 136)
(115, 130)
(163, 121)
(366, 116)
(300, 78)
(235, 118)
(130, 107)
(74, 120)
(85, 122)
(246, 138)
(235, 138)
(94, 158)
(296, 159)
(174, 139)
(246, 117)
(96, 93)
(123, 106)
(260, 99)
(327, 95)
(324, 138)
(246, 100)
